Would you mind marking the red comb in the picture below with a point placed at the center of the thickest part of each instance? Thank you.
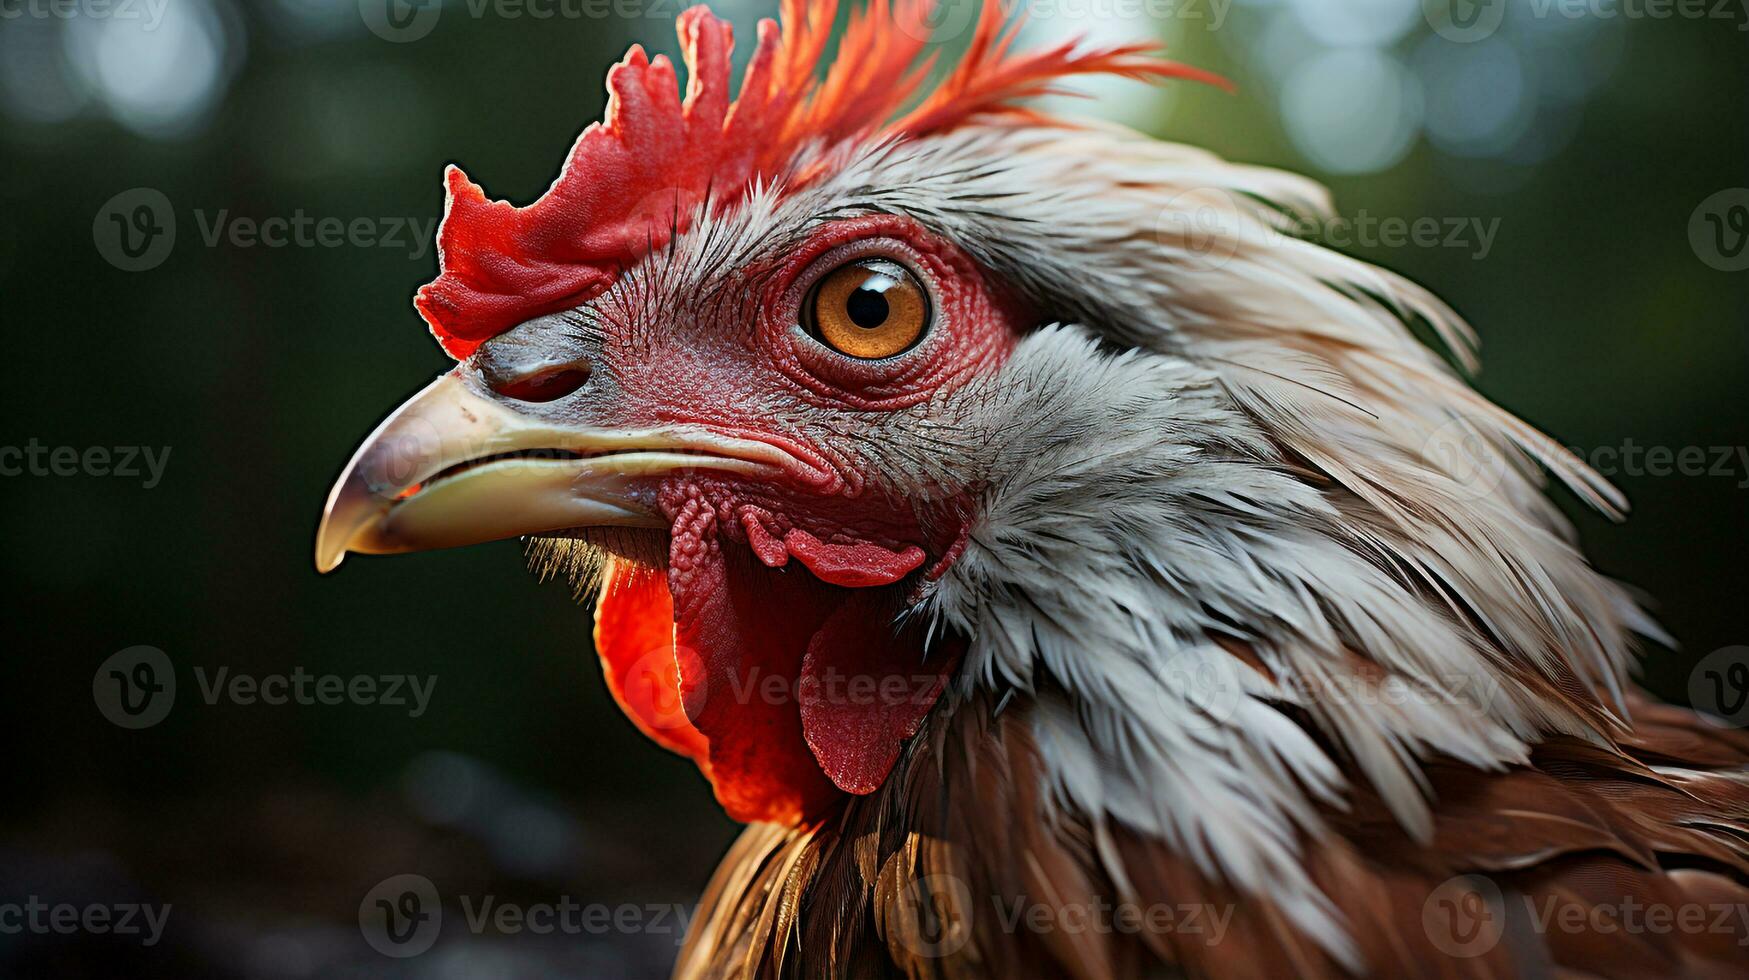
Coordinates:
(634, 179)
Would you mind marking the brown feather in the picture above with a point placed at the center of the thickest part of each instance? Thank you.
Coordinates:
(919, 879)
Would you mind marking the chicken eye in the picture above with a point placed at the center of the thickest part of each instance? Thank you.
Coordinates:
(869, 309)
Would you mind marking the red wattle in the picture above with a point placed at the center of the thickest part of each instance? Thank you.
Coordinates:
(865, 690)
(788, 685)
(855, 566)
(741, 632)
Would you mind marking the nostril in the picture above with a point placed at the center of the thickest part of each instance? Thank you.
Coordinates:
(545, 386)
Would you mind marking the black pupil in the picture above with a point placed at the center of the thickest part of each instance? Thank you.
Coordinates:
(867, 307)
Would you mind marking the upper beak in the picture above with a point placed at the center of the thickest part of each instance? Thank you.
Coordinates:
(435, 475)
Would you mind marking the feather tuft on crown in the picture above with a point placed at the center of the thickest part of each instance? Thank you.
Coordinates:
(637, 177)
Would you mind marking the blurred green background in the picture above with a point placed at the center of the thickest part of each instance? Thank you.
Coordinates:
(1591, 144)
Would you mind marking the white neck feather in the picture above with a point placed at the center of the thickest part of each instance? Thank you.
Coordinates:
(1276, 514)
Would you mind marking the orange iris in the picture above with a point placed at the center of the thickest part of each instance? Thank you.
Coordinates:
(869, 309)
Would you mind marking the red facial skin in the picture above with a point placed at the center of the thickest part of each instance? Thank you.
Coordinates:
(794, 684)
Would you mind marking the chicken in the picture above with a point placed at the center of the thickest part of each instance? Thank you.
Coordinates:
(1039, 546)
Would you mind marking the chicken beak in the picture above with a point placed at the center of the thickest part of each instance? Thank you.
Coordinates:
(453, 467)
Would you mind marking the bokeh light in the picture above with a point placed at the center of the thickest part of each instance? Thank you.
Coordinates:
(1114, 99)
(1478, 97)
(35, 83)
(1369, 23)
(1352, 110)
(158, 77)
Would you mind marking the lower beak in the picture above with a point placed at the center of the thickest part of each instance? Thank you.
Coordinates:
(451, 467)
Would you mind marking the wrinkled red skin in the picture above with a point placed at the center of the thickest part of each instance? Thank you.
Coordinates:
(783, 672)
